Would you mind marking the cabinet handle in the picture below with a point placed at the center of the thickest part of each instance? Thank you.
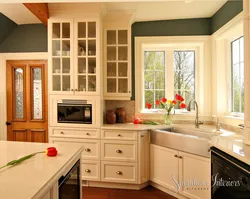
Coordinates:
(62, 132)
(87, 170)
(87, 134)
(87, 150)
(119, 172)
(176, 156)
(119, 135)
(119, 151)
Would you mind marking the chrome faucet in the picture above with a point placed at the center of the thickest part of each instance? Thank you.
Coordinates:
(197, 122)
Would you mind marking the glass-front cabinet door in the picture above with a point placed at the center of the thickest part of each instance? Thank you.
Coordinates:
(86, 56)
(61, 57)
(117, 63)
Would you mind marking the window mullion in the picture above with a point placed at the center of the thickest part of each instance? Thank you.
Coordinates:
(170, 73)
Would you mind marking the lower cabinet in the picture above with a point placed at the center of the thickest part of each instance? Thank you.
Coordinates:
(185, 173)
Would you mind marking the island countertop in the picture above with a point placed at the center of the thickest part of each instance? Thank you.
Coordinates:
(30, 178)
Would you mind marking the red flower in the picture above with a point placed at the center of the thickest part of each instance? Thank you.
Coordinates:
(51, 151)
(182, 105)
(174, 102)
(179, 98)
(164, 100)
(157, 102)
(149, 105)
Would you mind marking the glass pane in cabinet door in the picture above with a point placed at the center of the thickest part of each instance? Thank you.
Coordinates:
(92, 65)
(56, 31)
(65, 65)
(122, 86)
(66, 48)
(123, 53)
(56, 48)
(111, 37)
(123, 69)
(37, 94)
(91, 29)
(66, 30)
(111, 69)
(92, 83)
(82, 30)
(81, 82)
(82, 48)
(19, 93)
(66, 82)
(56, 65)
(81, 65)
(56, 83)
(122, 37)
(91, 47)
(111, 53)
(111, 85)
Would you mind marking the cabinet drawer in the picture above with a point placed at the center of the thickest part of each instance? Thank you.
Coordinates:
(119, 172)
(119, 150)
(76, 133)
(91, 170)
(119, 135)
(91, 147)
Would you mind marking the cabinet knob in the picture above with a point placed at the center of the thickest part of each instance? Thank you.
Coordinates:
(176, 156)
(180, 157)
(87, 150)
(87, 134)
(76, 90)
(62, 132)
(119, 151)
(87, 170)
(72, 89)
(119, 135)
(119, 172)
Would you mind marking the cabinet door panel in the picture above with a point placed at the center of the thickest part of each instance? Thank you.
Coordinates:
(163, 166)
(195, 168)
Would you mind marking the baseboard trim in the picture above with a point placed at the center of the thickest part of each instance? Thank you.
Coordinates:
(168, 191)
(115, 185)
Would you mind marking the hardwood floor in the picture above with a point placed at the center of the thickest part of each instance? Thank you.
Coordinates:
(105, 193)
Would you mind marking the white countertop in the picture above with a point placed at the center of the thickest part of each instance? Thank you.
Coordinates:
(229, 142)
(25, 180)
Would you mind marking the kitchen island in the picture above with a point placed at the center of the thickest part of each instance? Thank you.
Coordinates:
(38, 176)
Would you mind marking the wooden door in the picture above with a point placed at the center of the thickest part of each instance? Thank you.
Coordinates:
(164, 166)
(27, 105)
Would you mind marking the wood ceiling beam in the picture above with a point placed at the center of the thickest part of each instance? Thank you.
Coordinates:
(40, 10)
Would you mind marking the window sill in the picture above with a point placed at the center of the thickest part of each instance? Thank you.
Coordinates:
(234, 117)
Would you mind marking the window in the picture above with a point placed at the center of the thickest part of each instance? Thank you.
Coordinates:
(167, 72)
(237, 75)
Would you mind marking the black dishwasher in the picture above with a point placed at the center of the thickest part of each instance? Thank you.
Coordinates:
(230, 176)
(70, 184)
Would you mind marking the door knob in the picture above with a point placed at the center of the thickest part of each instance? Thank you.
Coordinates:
(8, 123)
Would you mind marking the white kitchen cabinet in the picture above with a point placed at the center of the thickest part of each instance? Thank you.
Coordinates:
(171, 168)
(117, 60)
(196, 169)
(164, 166)
(74, 50)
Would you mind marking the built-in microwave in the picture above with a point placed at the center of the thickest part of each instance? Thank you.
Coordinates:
(78, 113)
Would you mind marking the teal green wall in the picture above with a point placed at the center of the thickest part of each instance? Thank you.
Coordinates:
(227, 12)
(7, 27)
(26, 38)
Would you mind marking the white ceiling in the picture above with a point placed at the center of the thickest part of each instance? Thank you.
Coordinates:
(18, 13)
(143, 11)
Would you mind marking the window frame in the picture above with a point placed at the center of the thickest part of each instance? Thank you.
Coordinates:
(169, 72)
(230, 93)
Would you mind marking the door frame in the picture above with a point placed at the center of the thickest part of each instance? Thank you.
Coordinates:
(3, 104)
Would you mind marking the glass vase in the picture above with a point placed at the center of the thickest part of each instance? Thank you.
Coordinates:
(168, 119)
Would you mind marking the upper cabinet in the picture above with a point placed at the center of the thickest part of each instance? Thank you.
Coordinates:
(117, 60)
(74, 51)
